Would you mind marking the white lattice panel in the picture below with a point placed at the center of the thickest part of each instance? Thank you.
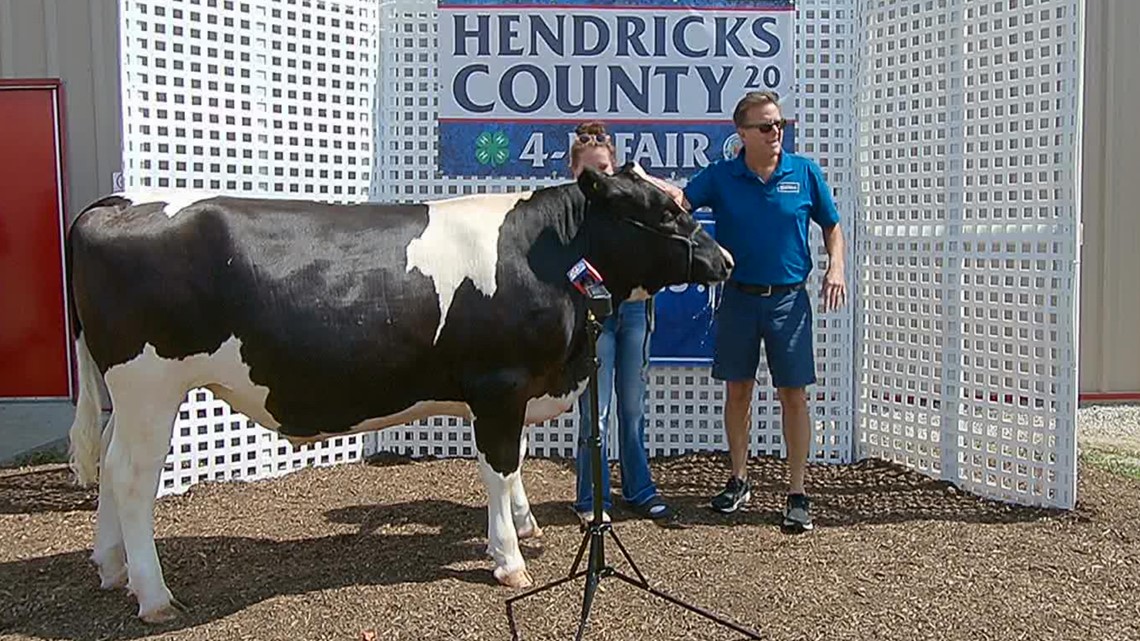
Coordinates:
(260, 97)
(684, 413)
(446, 436)
(250, 96)
(825, 53)
(211, 442)
(967, 243)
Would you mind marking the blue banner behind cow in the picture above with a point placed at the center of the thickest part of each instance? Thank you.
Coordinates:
(516, 76)
(684, 321)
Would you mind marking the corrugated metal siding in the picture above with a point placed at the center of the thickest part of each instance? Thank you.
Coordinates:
(1110, 176)
(78, 42)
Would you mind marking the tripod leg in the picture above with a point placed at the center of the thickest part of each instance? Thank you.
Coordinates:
(595, 570)
(592, 579)
(691, 608)
(581, 548)
(628, 558)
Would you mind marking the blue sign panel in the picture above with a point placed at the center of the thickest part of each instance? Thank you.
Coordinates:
(543, 149)
(684, 321)
(517, 76)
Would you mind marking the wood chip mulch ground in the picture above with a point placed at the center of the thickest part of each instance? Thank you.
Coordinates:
(394, 549)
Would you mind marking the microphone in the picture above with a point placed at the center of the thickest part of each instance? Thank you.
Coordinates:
(582, 275)
(586, 279)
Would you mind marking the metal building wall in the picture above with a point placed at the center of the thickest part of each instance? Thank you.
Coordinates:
(1110, 255)
(78, 42)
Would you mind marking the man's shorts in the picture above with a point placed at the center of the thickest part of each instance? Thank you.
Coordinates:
(781, 321)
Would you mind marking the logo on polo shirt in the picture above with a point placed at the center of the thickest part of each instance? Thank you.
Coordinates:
(732, 146)
(788, 188)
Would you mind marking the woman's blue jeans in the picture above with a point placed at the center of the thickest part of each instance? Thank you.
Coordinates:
(623, 357)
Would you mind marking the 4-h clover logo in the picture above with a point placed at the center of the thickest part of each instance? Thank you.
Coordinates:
(492, 148)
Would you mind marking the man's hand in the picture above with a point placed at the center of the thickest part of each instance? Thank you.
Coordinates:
(675, 192)
(834, 292)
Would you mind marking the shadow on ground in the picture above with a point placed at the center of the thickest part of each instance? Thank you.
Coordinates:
(216, 576)
(865, 493)
(417, 541)
(49, 488)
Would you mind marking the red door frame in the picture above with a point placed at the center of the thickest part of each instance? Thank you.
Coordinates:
(55, 85)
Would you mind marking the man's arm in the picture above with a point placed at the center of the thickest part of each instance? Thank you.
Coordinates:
(825, 215)
(835, 280)
(699, 184)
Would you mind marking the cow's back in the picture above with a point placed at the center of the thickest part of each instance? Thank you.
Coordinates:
(316, 296)
(334, 314)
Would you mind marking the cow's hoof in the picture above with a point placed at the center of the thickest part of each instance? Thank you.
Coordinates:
(164, 614)
(112, 568)
(532, 531)
(113, 580)
(520, 578)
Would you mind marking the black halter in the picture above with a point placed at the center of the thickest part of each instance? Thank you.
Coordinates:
(690, 241)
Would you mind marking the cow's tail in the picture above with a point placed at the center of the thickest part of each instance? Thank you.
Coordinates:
(86, 434)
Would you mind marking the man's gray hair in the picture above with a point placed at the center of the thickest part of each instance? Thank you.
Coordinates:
(754, 99)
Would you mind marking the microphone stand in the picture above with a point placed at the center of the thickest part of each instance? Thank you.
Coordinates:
(598, 307)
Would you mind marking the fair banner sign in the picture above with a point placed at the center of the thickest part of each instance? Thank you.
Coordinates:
(516, 77)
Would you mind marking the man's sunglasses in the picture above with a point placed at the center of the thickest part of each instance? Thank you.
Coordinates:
(767, 127)
(598, 139)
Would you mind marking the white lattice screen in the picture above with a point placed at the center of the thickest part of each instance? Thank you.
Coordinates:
(261, 97)
(947, 129)
(213, 443)
(968, 240)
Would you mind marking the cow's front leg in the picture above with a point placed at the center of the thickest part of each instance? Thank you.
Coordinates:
(526, 526)
(498, 432)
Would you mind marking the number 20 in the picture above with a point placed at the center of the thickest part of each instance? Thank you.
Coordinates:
(770, 76)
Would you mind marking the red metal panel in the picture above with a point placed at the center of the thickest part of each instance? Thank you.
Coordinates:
(33, 321)
(1109, 397)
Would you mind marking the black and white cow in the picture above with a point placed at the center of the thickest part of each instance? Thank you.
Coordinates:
(318, 320)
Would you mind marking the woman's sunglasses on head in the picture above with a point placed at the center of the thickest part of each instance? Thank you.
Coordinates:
(593, 139)
(767, 127)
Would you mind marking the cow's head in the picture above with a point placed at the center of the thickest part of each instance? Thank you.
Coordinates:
(640, 237)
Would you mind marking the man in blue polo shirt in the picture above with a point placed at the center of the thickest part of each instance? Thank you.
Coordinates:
(763, 201)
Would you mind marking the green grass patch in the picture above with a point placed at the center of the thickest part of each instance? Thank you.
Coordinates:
(1124, 461)
(40, 457)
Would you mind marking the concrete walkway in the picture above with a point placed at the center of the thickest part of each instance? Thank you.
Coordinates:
(29, 426)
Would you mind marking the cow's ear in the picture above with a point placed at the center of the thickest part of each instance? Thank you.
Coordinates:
(593, 183)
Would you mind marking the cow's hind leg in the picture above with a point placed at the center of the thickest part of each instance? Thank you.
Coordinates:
(109, 555)
(146, 401)
(498, 431)
(526, 526)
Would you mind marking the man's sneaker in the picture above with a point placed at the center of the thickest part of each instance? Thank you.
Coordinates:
(797, 516)
(736, 493)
